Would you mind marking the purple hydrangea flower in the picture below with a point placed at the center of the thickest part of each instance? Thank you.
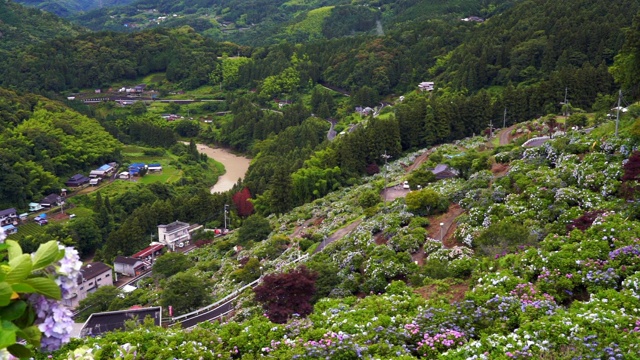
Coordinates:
(54, 321)
(68, 272)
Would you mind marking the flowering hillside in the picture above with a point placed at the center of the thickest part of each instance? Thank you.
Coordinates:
(543, 263)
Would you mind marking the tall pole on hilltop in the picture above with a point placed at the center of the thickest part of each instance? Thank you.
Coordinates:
(618, 112)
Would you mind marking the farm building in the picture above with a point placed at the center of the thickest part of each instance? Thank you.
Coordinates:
(77, 180)
(129, 266)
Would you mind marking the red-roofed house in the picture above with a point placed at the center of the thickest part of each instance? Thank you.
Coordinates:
(149, 253)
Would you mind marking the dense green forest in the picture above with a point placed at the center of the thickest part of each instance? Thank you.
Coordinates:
(42, 143)
(66, 8)
(98, 59)
(21, 26)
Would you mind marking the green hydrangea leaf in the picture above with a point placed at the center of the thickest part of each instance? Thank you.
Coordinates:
(13, 311)
(20, 351)
(46, 287)
(22, 288)
(20, 269)
(13, 249)
(7, 334)
(45, 255)
(5, 294)
(31, 334)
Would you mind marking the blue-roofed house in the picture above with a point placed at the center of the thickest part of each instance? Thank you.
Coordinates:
(102, 171)
(10, 229)
(135, 168)
(154, 168)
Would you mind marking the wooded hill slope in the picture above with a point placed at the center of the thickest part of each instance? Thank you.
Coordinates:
(42, 143)
(21, 26)
(267, 22)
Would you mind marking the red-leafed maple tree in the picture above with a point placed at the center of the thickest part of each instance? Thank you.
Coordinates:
(242, 203)
(285, 294)
(631, 178)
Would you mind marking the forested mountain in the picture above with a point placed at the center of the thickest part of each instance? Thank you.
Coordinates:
(21, 26)
(98, 59)
(264, 22)
(66, 8)
(537, 39)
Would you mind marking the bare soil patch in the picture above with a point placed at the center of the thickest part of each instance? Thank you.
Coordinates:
(419, 160)
(455, 293)
(394, 192)
(499, 170)
(380, 239)
(444, 232)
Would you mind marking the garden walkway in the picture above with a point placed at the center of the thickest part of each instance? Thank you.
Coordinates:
(337, 235)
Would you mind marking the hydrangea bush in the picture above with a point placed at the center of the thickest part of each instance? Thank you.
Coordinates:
(31, 289)
(570, 293)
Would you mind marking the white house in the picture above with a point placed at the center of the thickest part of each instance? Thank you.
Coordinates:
(426, 86)
(174, 235)
(92, 276)
(34, 206)
(129, 266)
(8, 217)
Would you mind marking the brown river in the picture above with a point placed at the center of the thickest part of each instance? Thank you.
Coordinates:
(235, 167)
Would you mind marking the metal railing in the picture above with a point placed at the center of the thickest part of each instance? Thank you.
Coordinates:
(225, 300)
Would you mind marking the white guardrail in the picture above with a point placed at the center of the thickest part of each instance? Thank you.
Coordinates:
(225, 300)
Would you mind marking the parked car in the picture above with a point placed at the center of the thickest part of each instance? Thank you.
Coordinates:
(405, 185)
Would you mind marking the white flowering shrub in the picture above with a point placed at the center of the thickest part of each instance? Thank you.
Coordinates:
(31, 287)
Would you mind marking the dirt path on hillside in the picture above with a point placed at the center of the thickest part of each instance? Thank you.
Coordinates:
(443, 233)
(337, 235)
(505, 135)
(419, 160)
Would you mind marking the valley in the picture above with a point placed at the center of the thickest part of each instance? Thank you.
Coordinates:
(366, 179)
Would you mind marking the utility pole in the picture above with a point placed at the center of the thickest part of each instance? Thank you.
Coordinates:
(385, 157)
(566, 107)
(226, 209)
(490, 129)
(618, 112)
(504, 119)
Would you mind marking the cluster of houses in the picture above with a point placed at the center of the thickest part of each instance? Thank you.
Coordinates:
(9, 218)
(94, 178)
(138, 169)
(138, 89)
(94, 275)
